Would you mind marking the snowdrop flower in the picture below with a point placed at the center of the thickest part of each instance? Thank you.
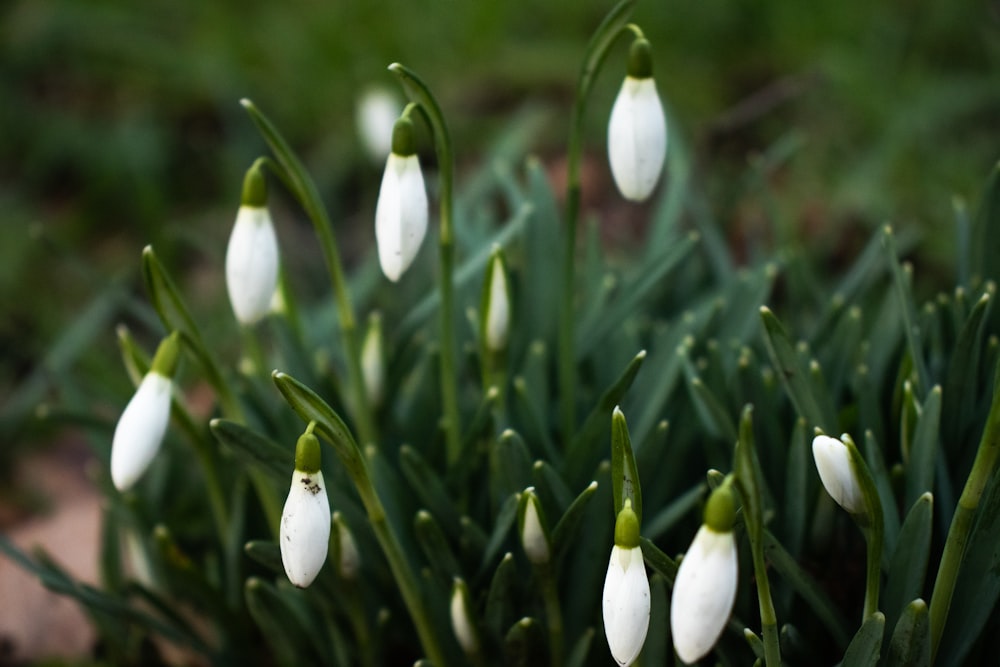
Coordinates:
(833, 463)
(345, 549)
(375, 115)
(531, 526)
(705, 587)
(304, 534)
(637, 131)
(373, 360)
(401, 211)
(626, 591)
(462, 621)
(496, 303)
(252, 255)
(143, 423)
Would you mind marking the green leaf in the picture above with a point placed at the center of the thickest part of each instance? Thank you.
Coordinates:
(964, 370)
(658, 561)
(436, 549)
(910, 645)
(886, 494)
(581, 649)
(624, 473)
(277, 622)
(254, 450)
(908, 567)
(920, 468)
(430, 489)
(986, 231)
(523, 643)
(571, 520)
(904, 294)
(793, 375)
(863, 650)
(504, 521)
(500, 599)
(668, 517)
(584, 449)
(551, 487)
(510, 466)
(796, 481)
(266, 553)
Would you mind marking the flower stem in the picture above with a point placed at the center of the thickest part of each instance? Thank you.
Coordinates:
(597, 49)
(983, 469)
(553, 615)
(292, 173)
(420, 94)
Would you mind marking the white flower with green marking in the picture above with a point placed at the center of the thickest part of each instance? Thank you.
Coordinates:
(252, 254)
(833, 463)
(626, 591)
(401, 212)
(304, 533)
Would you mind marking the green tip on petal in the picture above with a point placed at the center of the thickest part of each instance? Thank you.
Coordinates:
(627, 527)
(255, 186)
(640, 59)
(167, 354)
(307, 456)
(403, 141)
(720, 511)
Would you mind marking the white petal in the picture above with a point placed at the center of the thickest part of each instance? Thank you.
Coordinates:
(140, 430)
(833, 463)
(637, 138)
(536, 545)
(373, 368)
(626, 604)
(400, 215)
(498, 313)
(252, 264)
(464, 632)
(304, 534)
(377, 112)
(704, 592)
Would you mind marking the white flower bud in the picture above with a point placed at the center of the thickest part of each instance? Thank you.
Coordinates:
(704, 593)
(373, 361)
(461, 618)
(637, 138)
(626, 604)
(304, 534)
(400, 215)
(497, 308)
(376, 113)
(533, 537)
(833, 463)
(252, 264)
(140, 430)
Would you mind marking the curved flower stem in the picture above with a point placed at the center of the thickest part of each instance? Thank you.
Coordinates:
(420, 94)
(292, 173)
(983, 468)
(597, 49)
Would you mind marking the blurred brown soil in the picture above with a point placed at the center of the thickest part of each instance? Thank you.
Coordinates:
(34, 622)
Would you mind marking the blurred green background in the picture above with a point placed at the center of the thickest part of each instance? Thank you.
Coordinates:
(120, 126)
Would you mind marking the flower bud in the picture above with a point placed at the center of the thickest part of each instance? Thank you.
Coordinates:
(462, 621)
(626, 591)
(534, 537)
(637, 130)
(401, 212)
(496, 304)
(345, 550)
(376, 113)
(143, 423)
(373, 360)
(252, 255)
(304, 533)
(833, 463)
(705, 587)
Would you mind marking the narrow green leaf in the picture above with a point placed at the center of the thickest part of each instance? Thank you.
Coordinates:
(254, 450)
(658, 561)
(624, 473)
(908, 566)
(430, 489)
(905, 296)
(986, 231)
(500, 599)
(920, 468)
(680, 507)
(964, 371)
(266, 553)
(551, 487)
(523, 643)
(796, 478)
(571, 520)
(276, 621)
(710, 410)
(510, 466)
(436, 549)
(581, 649)
(864, 649)
(910, 645)
(585, 448)
(886, 494)
(755, 643)
(504, 521)
(794, 376)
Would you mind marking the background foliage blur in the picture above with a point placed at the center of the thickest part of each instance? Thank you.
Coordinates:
(121, 127)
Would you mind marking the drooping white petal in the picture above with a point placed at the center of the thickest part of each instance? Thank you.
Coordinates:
(833, 463)
(637, 138)
(252, 264)
(704, 592)
(376, 113)
(498, 313)
(140, 430)
(626, 604)
(400, 215)
(304, 534)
